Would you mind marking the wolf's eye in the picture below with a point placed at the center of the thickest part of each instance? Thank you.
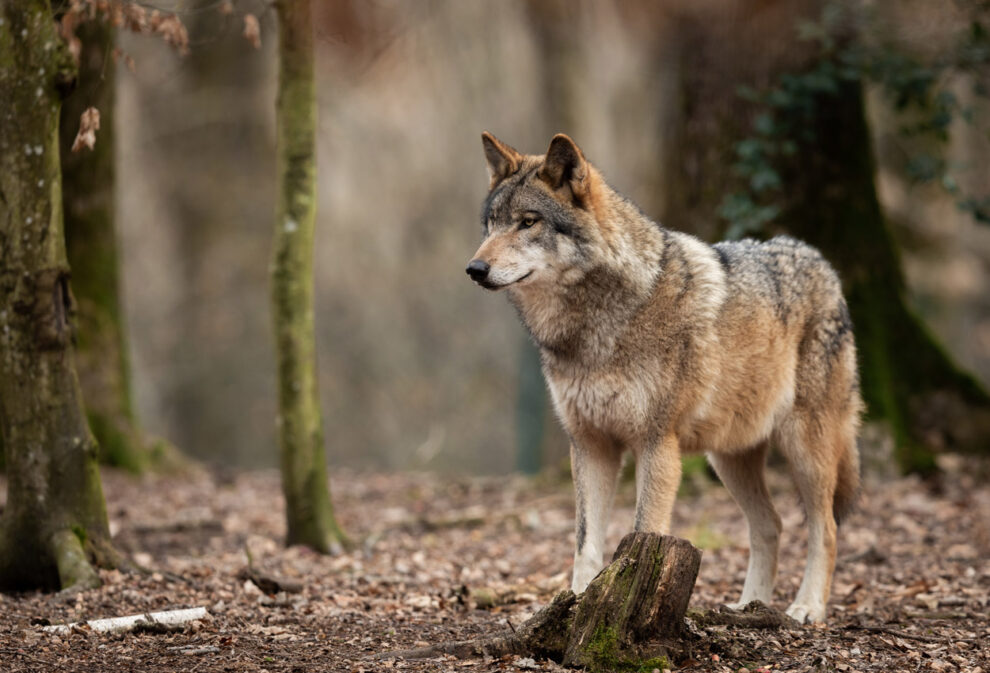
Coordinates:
(528, 221)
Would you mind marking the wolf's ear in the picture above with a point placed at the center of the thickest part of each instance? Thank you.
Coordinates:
(565, 167)
(503, 161)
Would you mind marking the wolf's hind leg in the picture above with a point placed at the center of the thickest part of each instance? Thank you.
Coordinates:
(595, 469)
(814, 465)
(743, 476)
(658, 475)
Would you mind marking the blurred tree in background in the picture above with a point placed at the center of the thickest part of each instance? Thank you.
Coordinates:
(89, 200)
(309, 511)
(416, 370)
(775, 138)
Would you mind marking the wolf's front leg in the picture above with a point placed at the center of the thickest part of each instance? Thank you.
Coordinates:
(658, 475)
(595, 469)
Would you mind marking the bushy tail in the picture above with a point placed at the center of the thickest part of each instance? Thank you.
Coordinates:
(847, 483)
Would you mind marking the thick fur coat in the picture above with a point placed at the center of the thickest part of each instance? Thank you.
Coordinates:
(655, 342)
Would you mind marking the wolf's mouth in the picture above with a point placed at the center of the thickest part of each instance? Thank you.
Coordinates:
(495, 286)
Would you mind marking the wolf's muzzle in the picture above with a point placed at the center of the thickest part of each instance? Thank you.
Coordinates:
(478, 270)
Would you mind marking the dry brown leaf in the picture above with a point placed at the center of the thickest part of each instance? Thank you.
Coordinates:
(172, 30)
(89, 124)
(252, 30)
(135, 17)
(67, 29)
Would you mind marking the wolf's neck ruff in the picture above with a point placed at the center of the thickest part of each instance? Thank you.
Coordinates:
(585, 318)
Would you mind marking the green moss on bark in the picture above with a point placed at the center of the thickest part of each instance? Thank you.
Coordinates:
(54, 528)
(309, 511)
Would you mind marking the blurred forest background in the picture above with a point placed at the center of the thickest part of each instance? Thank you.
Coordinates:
(418, 367)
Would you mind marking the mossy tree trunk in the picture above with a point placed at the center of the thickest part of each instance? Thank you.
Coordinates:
(909, 382)
(88, 189)
(54, 528)
(908, 379)
(309, 510)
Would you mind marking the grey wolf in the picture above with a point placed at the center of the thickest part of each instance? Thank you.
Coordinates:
(657, 343)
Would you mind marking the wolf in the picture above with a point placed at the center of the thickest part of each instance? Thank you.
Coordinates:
(657, 343)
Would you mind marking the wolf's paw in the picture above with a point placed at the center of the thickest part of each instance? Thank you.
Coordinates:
(803, 613)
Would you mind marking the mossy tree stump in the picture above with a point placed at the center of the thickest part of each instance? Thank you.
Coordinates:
(636, 605)
(631, 616)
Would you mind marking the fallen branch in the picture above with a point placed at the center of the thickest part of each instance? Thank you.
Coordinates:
(911, 636)
(190, 650)
(131, 622)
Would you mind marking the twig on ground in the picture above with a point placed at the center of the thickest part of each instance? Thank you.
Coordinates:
(910, 636)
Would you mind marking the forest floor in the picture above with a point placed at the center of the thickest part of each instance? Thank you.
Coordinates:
(441, 558)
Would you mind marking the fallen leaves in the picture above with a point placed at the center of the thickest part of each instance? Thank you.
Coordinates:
(126, 14)
(449, 559)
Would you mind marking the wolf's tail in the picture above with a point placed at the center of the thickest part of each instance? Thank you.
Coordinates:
(847, 483)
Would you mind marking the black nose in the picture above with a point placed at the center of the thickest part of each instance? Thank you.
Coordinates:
(477, 269)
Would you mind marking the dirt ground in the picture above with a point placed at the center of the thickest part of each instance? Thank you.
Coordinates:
(440, 558)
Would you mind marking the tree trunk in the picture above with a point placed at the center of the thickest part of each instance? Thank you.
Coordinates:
(54, 527)
(908, 380)
(309, 510)
(88, 191)
(531, 410)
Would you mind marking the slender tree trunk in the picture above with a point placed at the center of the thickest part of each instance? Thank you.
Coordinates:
(54, 528)
(309, 511)
(908, 380)
(88, 189)
(531, 410)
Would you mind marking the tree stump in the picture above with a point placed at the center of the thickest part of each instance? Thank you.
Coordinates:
(629, 617)
(636, 604)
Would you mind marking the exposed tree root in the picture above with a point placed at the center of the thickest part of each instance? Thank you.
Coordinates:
(74, 569)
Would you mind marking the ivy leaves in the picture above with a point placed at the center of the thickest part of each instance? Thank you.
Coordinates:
(787, 113)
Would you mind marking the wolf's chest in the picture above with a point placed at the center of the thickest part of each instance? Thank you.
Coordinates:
(611, 401)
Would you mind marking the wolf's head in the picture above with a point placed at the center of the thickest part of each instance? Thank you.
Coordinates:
(539, 218)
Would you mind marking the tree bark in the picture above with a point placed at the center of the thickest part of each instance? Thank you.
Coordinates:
(636, 606)
(88, 195)
(908, 380)
(54, 527)
(311, 519)
(531, 410)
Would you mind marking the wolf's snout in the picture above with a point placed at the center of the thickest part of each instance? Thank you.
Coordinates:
(478, 269)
